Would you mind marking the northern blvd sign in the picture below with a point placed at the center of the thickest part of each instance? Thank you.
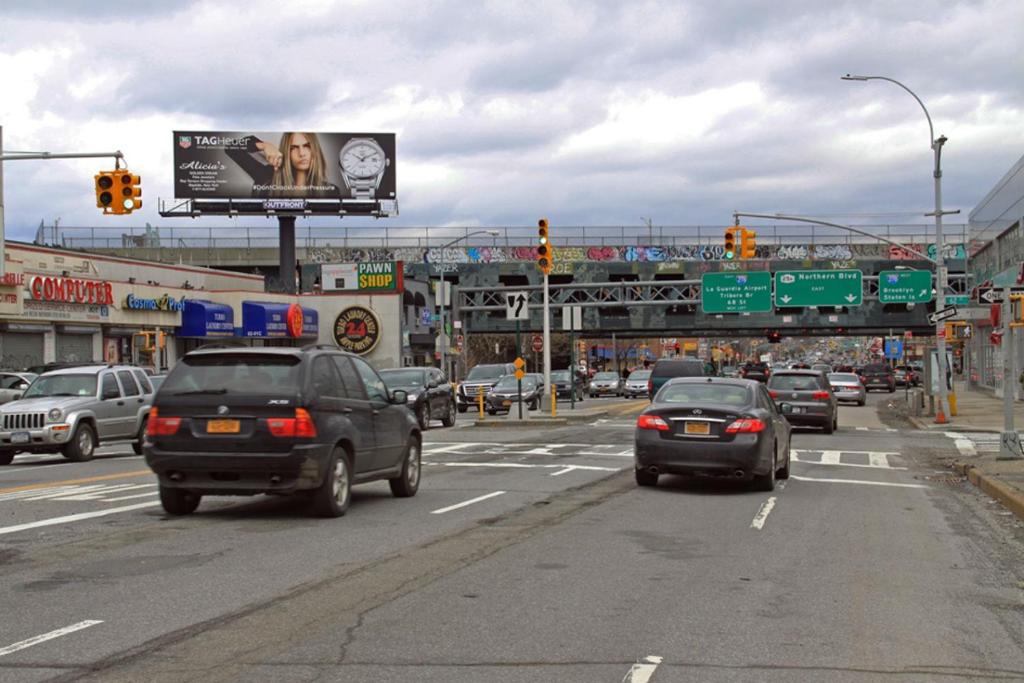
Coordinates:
(819, 288)
(904, 286)
(736, 292)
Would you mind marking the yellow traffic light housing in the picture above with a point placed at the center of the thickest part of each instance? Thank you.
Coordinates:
(730, 242)
(544, 252)
(748, 244)
(105, 191)
(126, 192)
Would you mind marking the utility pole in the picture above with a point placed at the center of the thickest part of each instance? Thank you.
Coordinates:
(1009, 441)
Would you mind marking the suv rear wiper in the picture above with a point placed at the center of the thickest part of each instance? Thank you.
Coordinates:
(201, 392)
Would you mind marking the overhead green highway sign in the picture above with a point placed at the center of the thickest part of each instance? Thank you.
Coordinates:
(819, 288)
(905, 286)
(736, 292)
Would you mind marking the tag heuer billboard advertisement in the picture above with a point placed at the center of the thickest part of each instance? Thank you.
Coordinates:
(368, 276)
(289, 165)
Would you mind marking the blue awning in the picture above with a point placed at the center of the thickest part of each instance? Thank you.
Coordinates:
(271, 320)
(206, 319)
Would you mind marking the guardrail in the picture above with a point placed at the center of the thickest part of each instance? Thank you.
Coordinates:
(255, 237)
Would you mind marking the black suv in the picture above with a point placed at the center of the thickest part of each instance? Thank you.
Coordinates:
(759, 371)
(479, 381)
(430, 394)
(279, 420)
(878, 376)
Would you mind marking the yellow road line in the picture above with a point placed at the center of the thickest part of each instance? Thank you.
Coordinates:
(70, 482)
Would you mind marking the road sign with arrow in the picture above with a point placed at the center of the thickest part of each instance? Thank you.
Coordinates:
(515, 306)
(819, 288)
(904, 286)
(944, 314)
(994, 295)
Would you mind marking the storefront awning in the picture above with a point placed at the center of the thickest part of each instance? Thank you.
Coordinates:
(264, 319)
(206, 319)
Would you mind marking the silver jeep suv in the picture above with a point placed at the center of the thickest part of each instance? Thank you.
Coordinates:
(74, 410)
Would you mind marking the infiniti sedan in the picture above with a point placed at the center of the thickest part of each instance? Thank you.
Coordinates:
(713, 426)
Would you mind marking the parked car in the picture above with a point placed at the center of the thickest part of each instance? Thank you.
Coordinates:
(246, 421)
(74, 410)
(878, 376)
(430, 396)
(14, 384)
(504, 396)
(667, 368)
(712, 427)
(479, 380)
(636, 383)
(560, 378)
(847, 387)
(753, 370)
(809, 396)
(605, 384)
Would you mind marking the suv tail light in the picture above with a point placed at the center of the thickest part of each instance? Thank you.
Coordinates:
(820, 395)
(651, 422)
(650, 386)
(161, 426)
(299, 426)
(773, 394)
(746, 426)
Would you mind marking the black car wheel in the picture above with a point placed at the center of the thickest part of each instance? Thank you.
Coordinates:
(137, 444)
(860, 403)
(645, 478)
(82, 445)
(179, 501)
(407, 483)
(535, 404)
(783, 472)
(492, 411)
(830, 427)
(423, 416)
(332, 497)
(6, 457)
(766, 482)
(449, 419)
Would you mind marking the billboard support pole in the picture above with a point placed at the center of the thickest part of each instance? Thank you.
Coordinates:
(286, 252)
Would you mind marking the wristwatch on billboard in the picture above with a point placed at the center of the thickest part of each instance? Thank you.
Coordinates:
(363, 163)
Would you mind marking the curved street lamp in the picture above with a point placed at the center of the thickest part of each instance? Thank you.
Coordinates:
(940, 269)
(444, 332)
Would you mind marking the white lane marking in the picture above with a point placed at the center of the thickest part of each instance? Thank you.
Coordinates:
(441, 511)
(860, 481)
(524, 466)
(878, 460)
(762, 514)
(966, 447)
(35, 640)
(830, 457)
(642, 672)
(137, 495)
(861, 429)
(93, 492)
(562, 471)
(430, 449)
(67, 519)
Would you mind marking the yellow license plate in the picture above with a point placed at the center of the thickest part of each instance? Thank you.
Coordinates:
(223, 426)
(506, 403)
(698, 428)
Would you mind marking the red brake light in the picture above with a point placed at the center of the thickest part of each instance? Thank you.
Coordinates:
(161, 426)
(863, 379)
(820, 395)
(650, 386)
(773, 394)
(745, 426)
(651, 422)
(299, 426)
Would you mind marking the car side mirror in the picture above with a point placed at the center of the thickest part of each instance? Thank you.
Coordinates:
(399, 397)
(433, 384)
(786, 408)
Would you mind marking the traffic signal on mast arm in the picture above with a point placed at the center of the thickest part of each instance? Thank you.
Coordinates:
(730, 242)
(748, 244)
(105, 191)
(126, 192)
(544, 253)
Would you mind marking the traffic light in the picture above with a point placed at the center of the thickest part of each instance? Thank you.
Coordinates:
(774, 336)
(126, 192)
(748, 243)
(543, 247)
(730, 242)
(105, 191)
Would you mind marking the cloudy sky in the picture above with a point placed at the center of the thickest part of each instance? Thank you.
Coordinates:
(592, 113)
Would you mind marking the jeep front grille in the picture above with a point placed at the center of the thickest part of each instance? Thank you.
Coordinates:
(24, 421)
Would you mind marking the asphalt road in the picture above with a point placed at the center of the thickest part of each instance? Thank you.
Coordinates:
(528, 554)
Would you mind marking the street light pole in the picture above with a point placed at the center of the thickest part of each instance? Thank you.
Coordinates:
(940, 268)
(444, 332)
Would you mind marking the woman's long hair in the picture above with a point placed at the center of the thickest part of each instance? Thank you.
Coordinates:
(285, 177)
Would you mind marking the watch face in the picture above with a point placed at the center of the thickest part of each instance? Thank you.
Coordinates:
(362, 160)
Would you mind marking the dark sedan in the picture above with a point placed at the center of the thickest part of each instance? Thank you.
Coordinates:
(504, 395)
(809, 396)
(712, 426)
(560, 378)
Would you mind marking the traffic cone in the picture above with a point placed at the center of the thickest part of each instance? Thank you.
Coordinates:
(940, 416)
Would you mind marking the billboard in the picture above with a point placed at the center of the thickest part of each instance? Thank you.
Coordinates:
(284, 165)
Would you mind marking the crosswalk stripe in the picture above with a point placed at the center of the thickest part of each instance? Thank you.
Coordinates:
(830, 457)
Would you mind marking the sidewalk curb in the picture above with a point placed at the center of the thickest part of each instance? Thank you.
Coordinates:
(928, 426)
(1010, 498)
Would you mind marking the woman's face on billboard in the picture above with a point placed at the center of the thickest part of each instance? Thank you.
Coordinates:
(301, 154)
